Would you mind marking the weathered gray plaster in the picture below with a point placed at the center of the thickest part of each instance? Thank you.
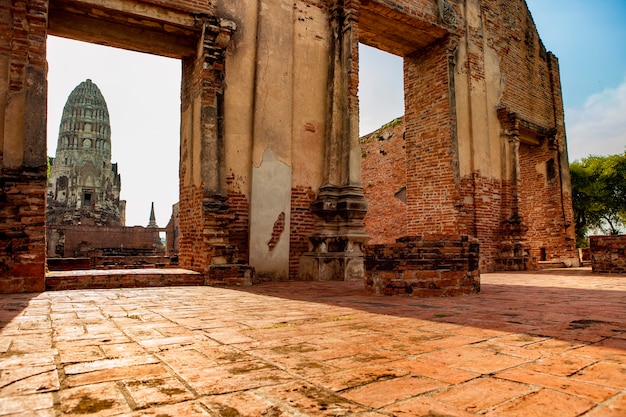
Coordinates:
(271, 196)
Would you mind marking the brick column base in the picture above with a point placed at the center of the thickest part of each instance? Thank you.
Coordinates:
(429, 265)
(608, 254)
(229, 275)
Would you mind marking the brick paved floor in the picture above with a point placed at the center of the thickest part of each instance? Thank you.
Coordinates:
(542, 344)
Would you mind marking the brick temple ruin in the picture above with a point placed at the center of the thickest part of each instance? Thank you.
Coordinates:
(85, 218)
(270, 162)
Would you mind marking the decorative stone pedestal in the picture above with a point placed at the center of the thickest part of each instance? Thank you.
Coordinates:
(336, 253)
(429, 265)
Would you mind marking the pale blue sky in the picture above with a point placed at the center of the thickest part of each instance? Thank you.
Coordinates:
(142, 93)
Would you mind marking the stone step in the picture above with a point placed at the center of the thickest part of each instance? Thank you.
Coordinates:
(550, 264)
(122, 278)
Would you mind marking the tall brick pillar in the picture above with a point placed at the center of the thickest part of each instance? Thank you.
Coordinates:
(205, 215)
(513, 248)
(433, 183)
(22, 145)
(340, 206)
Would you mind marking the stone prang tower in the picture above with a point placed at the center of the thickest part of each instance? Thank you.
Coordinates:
(84, 186)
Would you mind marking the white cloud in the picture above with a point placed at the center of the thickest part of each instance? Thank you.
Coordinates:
(599, 128)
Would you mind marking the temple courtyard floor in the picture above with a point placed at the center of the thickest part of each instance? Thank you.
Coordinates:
(548, 343)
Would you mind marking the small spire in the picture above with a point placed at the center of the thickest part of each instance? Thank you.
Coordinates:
(152, 217)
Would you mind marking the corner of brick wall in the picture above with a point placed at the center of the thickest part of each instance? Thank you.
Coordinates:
(428, 265)
(22, 230)
(608, 254)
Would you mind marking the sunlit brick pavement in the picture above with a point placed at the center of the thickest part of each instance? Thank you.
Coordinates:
(549, 344)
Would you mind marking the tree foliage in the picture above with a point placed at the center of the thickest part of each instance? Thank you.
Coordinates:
(599, 194)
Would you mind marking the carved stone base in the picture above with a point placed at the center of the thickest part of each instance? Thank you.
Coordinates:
(229, 275)
(336, 246)
(331, 267)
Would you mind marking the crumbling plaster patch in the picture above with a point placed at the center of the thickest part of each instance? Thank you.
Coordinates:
(270, 196)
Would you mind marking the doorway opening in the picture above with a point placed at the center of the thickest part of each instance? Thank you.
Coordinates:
(142, 93)
(383, 150)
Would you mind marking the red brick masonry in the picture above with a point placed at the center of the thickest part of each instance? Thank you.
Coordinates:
(428, 265)
(608, 253)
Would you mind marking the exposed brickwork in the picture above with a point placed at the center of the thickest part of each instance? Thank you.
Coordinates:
(608, 254)
(432, 169)
(79, 240)
(230, 275)
(430, 265)
(517, 224)
(444, 195)
(482, 214)
(301, 226)
(22, 230)
(384, 182)
(523, 57)
(240, 208)
(78, 280)
(542, 205)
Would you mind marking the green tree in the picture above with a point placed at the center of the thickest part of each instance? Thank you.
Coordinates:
(599, 194)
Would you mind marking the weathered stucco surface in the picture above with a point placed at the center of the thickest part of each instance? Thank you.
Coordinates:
(269, 126)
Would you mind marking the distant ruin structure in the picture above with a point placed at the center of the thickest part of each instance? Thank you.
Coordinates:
(84, 186)
(85, 217)
(270, 158)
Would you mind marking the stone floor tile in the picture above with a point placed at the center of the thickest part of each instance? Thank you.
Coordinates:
(471, 359)
(120, 350)
(559, 383)
(536, 329)
(425, 406)
(34, 360)
(352, 378)
(5, 344)
(311, 400)
(543, 403)
(615, 407)
(435, 370)
(483, 393)
(242, 404)
(613, 349)
(116, 374)
(186, 409)
(162, 343)
(380, 394)
(28, 380)
(32, 343)
(103, 399)
(22, 403)
(564, 364)
(99, 365)
(155, 391)
(369, 357)
(551, 346)
(238, 376)
(70, 354)
(608, 374)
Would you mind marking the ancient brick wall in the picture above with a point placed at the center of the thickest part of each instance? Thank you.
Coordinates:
(240, 207)
(80, 240)
(384, 182)
(429, 265)
(542, 205)
(301, 226)
(523, 58)
(432, 170)
(22, 230)
(22, 145)
(608, 254)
